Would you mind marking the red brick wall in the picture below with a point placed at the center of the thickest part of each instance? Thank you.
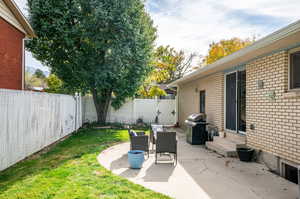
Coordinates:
(11, 53)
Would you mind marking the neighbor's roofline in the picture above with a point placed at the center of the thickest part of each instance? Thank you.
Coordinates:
(20, 17)
(265, 41)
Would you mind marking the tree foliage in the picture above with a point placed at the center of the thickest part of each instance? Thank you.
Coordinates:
(55, 85)
(98, 46)
(168, 65)
(225, 47)
(149, 90)
(39, 74)
(32, 80)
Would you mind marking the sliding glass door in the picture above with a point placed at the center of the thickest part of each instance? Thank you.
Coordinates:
(241, 105)
(231, 101)
(235, 104)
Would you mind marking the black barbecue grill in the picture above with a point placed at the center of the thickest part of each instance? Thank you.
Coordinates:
(196, 129)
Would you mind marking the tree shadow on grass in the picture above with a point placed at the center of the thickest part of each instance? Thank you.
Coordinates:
(86, 141)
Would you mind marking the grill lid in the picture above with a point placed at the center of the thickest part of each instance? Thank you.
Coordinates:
(197, 117)
(190, 123)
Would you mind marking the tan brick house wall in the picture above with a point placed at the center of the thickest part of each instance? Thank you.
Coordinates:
(277, 120)
(189, 101)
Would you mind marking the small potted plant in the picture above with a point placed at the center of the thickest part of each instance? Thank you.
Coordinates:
(136, 159)
(245, 153)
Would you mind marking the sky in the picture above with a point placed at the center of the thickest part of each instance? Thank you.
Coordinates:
(30, 61)
(191, 25)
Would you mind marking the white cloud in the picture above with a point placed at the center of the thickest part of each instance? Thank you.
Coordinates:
(22, 4)
(193, 24)
(30, 61)
(34, 63)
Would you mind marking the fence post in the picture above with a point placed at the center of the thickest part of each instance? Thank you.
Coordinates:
(76, 111)
(133, 111)
(80, 110)
(157, 110)
(75, 97)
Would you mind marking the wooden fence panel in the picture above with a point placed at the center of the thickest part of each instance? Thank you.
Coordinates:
(30, 121)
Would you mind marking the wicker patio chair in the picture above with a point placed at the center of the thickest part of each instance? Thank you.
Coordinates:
(166, 142)
(152, 139)
(139, 141)
(152, 136)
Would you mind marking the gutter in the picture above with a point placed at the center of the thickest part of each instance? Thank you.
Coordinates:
(20, 17)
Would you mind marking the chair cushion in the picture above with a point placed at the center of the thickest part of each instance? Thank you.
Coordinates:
(133, 133)
(157, 128)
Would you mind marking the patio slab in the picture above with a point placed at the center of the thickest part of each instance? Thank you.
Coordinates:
(200, 174)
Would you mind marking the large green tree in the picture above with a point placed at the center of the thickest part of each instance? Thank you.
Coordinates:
(98, 46)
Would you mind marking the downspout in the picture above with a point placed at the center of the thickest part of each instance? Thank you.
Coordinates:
(24, 61)
(76, 106)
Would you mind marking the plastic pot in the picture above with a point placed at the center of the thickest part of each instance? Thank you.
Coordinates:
(136, 159)
(245, 154)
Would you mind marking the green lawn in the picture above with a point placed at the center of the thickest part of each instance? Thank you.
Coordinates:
(71, 170)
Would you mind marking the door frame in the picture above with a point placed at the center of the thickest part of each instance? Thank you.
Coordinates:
(237, 131)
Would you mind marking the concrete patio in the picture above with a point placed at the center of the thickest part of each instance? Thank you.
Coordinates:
(200, 174)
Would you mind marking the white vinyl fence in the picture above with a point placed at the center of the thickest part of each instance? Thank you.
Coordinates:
(146, 109)
(30, 121)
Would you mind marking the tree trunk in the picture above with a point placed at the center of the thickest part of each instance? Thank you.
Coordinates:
(102, 102)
